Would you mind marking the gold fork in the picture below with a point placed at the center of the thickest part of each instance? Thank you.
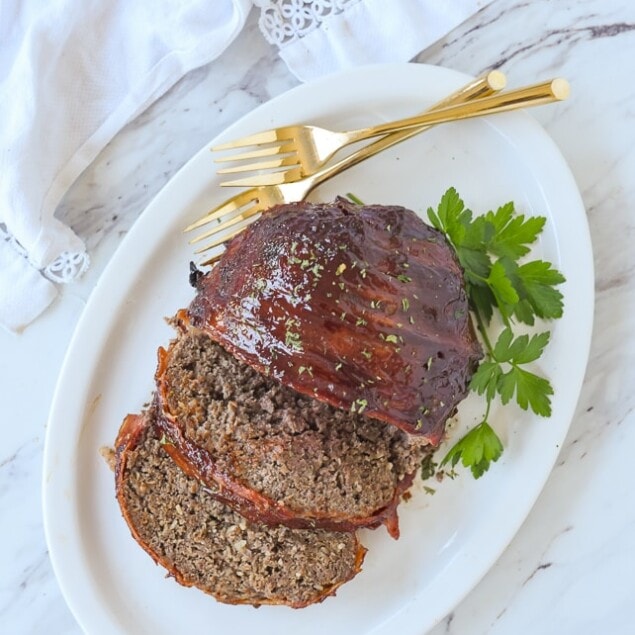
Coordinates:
(244, 207)
(305, 149)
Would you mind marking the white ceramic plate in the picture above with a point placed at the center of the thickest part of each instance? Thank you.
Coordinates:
(448, 540)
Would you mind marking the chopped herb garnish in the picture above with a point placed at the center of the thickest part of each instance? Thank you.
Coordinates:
(359, 405)
(367, 354)
(402, 277)
(428, 467)
(341, 268)
(405, 304)
(391, 338)
(361, 322)
(292, 338)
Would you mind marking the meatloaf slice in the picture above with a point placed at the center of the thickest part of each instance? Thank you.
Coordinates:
(369, 298)
(203, 543)
(279, 456)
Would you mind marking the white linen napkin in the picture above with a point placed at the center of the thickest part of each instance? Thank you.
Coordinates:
(317, 37)
(74, 72)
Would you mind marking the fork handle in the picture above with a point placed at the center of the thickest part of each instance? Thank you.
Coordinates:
(481, 87)
(535, 95)
(545, 92)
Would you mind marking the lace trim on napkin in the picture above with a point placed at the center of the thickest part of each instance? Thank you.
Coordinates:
(6, 237)
(67, 267)
(285, 21)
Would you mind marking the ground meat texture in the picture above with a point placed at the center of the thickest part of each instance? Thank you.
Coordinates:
(204, 543)
(299, 461)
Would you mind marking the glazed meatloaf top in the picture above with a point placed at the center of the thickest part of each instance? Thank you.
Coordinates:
(203, 543)
(294, 459)
(362, 307)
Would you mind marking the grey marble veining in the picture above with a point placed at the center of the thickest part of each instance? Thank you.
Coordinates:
(132, 169)
(571, 567)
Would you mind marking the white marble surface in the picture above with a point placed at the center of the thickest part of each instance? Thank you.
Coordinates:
(571, 568)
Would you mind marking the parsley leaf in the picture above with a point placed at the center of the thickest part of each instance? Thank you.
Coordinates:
(476, 450)
(476, 265)
(513, 234)
(481, 301)
(520, 350)
(520, 291)
(485, 379)
(501, 286)
(531, 390)
(451, 216)
(538, 279)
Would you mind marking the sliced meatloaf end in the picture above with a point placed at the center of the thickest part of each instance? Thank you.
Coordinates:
(204, 543)
(277, 455)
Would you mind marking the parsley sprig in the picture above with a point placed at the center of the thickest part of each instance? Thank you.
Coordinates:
(491, 249)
